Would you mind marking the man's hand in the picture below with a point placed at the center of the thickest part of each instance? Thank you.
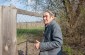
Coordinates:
(37, 44)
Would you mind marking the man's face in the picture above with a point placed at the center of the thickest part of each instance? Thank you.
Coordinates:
(47, 18)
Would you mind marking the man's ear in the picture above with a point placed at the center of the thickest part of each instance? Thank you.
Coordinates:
(52, 17)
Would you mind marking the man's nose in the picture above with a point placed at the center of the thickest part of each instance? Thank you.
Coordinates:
(44, 18)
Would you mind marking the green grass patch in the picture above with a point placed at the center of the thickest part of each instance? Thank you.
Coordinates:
(35, 32)
(23, 34)
(67, 49)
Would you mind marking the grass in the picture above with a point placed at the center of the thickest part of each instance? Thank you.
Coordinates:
(28, 31)
(22, 34)
(35, 32)
(67, 49)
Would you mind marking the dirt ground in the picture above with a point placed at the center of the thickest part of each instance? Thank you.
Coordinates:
(31, 49)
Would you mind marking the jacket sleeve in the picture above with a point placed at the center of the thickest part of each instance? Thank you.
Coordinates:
(57, 40)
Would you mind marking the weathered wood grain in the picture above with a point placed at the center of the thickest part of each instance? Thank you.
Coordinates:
(24, 12)
(0, 31)
(8, 29)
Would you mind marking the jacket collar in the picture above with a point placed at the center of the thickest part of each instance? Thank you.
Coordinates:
(50, 23)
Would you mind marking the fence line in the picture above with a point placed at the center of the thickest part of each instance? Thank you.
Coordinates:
(8, 28)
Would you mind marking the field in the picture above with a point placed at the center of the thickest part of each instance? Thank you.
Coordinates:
(32, 33)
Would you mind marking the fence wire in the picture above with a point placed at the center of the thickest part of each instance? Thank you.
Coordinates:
(27, 33)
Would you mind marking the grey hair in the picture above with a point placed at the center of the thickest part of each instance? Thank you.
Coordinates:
(51, 13)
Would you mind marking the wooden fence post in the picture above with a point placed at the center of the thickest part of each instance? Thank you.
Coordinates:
(8, 30)
(0, 32)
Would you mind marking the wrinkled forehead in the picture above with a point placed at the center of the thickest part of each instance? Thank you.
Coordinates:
(46, 13)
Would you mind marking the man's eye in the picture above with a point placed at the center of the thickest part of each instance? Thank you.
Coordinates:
(45, 16)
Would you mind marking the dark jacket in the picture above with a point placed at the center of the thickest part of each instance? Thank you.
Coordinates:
(52, 41)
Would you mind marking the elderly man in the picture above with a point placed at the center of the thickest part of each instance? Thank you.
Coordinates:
(52, 41)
